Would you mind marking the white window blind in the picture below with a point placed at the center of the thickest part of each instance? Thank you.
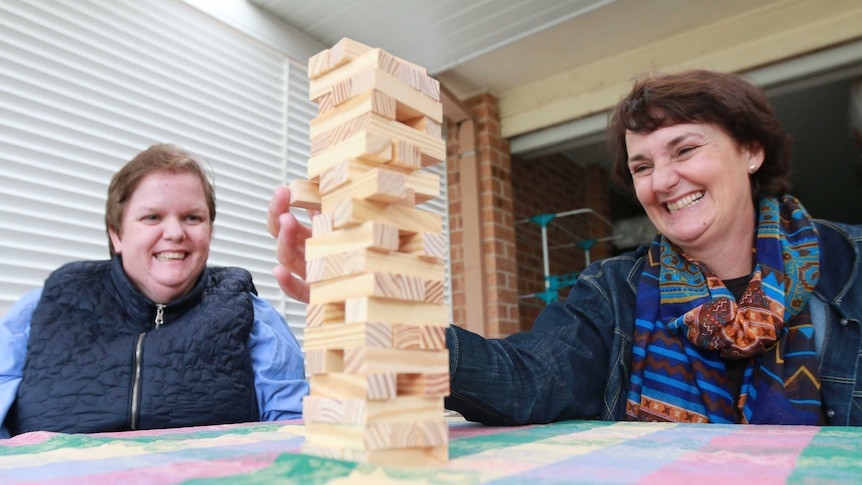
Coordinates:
(87, 84)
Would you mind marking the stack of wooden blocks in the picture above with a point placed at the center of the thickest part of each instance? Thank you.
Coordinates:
(375, 340)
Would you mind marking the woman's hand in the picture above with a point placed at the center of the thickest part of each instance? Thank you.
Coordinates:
(290, 238)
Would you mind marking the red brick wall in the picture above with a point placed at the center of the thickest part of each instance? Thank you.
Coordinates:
(550, 185)
(495, 215)
(511, 191)
(498, 235)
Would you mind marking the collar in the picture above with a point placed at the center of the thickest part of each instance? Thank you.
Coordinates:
(839, 265)
(136, 303)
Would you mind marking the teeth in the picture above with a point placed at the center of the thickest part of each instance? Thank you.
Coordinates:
(685, 202)
(170, 256)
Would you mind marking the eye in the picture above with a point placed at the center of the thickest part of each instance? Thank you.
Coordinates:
(686, 150)
(150, 218)
(639, 169)
(195, 219)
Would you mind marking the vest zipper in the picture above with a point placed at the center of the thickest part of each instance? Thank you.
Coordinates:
(160, 315)
(136, 384)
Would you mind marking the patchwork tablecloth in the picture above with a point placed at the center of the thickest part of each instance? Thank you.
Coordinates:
(566, 452)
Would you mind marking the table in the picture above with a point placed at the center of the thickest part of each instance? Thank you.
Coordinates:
(565, 452)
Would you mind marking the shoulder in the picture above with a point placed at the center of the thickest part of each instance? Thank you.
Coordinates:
(230, 277)
(840, 261)
(852, 231)
(23, 308)
(83, 268)
(263, 309)
(618, 271)
(839, 237)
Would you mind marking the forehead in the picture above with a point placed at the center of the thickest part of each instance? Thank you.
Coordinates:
(162, 187)
(667, 137)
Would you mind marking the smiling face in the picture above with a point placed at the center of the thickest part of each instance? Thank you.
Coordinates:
(693, 181)
(165, 234)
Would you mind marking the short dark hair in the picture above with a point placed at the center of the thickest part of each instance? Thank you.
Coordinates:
(698, 96)
(162, 157)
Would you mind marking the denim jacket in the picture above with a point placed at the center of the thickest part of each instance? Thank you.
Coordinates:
(576, 360)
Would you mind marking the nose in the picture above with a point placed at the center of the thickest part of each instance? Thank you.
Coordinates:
(664, 177)
(173, 230)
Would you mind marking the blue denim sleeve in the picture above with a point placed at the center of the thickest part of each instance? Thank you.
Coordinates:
(557, 370)
(14, 332)
(277, 361)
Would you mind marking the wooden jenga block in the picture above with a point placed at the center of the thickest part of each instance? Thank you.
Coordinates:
(371, 334)
(318, 64)
(426, 125)
(368, 359)
(433, 149)
(419, 80)
(375, 334)
(324, 361)
(304, 194)
(381, 285)
(322, 314)
(409, 103)
(377, 184)
(351, 212)
(321, 224)
(374, 59)
(425, 185)
(373, 101)
(425, 385)
(419, 337)
(359, 411)
(369, 261)
(370, 234)
(344, 51)
(378, 436)
(424, 244)
(365, 360)
(369, 146)
(406, 155)
(366, 309)
(379, 386)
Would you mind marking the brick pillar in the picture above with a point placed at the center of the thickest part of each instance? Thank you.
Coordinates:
(497, 220)
(487, 201)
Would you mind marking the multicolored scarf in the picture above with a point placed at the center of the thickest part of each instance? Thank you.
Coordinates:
(688, 323)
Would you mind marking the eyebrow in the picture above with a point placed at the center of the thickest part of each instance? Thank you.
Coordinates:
(672, 142)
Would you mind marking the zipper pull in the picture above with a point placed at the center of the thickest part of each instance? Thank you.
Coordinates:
(160, 315)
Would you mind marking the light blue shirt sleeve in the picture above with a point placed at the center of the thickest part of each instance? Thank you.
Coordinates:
(14, 332)
(277, 361)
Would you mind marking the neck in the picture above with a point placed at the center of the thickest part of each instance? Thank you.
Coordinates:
(731, 257)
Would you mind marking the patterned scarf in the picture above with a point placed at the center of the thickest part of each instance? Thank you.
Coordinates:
(687, 323)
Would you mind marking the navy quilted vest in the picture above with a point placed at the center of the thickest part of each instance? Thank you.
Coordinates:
(96, 361)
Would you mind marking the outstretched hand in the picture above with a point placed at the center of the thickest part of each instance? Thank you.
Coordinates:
(290, 238)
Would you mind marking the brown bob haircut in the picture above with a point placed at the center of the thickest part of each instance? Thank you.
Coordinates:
(157, 158)
(726, 100)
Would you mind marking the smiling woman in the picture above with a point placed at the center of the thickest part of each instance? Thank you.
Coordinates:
(153, 338)
(744, 309)
(162, 222)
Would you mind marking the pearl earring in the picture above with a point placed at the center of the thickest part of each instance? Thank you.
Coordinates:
(752, 169)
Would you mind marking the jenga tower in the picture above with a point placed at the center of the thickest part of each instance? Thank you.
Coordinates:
(375, 338)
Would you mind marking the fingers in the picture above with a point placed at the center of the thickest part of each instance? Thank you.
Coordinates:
(290, 238)
(278, 205)
(290, 244)
(292, 286)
